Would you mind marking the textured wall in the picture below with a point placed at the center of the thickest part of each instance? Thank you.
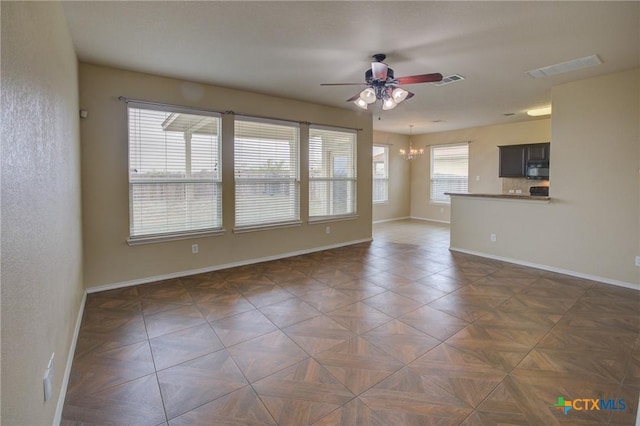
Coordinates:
(108, 258)
(591, 229)
(41, 219)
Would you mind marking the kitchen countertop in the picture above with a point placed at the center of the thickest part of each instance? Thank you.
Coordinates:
(500, 196)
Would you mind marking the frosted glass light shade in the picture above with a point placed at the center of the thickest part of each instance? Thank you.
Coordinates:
(388, 104)
(361, 103)
(368, 95)
(399, 94)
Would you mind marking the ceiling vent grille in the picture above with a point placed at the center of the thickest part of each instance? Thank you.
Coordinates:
(576, 64)
(449, 79)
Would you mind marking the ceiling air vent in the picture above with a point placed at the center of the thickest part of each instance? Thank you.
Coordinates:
(573, 65)
(449, 79)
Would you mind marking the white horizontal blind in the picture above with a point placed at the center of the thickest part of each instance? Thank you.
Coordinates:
(174, 172)
(266, 172)
(449, 171)
(332, 172)
(380, 173)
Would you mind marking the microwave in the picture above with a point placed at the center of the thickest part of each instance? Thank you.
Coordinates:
(537, 170)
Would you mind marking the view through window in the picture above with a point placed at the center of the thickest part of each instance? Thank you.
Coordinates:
(449, 171)
(266, 172)
(380, 169)
(332, 172)
(174, 172)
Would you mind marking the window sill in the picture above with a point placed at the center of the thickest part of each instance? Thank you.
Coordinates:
(439, 203)
(152, 239)
(378, 203)
(245, 229)
(325, 219)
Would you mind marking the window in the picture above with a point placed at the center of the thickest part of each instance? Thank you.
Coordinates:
(332, 172)
(174, 171)
(449, 171)
(266, 172)
(380, 174)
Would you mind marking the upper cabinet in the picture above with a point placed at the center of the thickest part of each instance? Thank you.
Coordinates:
(514, 158)
(538, 152)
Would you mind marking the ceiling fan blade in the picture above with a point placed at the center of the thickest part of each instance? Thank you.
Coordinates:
(379, 70)
(423, 78)
(342, 84)
(353, 98)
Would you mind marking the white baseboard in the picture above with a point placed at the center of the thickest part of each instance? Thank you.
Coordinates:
(179, 274)
(67, 369)
(430, 220)
(391, 220)
(550, 269)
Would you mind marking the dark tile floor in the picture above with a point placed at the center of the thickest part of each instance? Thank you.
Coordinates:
(397, 332)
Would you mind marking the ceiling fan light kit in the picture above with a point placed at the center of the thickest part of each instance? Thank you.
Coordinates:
(368, 95)
(383, 86)
(388, 104)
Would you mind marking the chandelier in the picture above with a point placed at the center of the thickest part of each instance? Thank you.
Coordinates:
(411, 153)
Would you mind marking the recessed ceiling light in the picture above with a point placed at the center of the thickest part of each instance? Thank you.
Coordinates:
(509, 114)
(437, 121)
(539, 111)
(573, 65)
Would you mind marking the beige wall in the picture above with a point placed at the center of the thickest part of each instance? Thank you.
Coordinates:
(590, 227)
(483, 160)
(41, 229)
(108, 258)
(399, 178)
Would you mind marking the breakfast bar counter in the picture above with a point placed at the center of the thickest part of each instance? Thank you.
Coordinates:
(521, 197)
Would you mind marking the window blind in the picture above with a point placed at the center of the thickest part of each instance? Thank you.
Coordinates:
(332, 172)
(449, 171)
(266, 172)
(380, 170)
(174, 172)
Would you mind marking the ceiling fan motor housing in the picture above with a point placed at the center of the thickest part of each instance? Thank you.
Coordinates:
(368, 77)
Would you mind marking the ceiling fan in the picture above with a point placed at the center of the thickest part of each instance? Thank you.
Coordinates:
(383, 86)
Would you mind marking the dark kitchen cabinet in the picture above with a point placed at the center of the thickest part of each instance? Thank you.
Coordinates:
(538, 152)
(514, 158)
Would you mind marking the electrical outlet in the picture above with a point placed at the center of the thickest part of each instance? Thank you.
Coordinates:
(327, 230)
(637, 260)
(518, 191)
(493, 238)
(194, 248)
(47, 380)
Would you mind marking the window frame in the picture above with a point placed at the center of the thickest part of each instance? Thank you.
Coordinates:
(385, 179)
(327, 162)
(137, 238)
(445, 200)
(266, 181)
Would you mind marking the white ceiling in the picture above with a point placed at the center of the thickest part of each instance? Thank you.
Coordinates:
(288, 48)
